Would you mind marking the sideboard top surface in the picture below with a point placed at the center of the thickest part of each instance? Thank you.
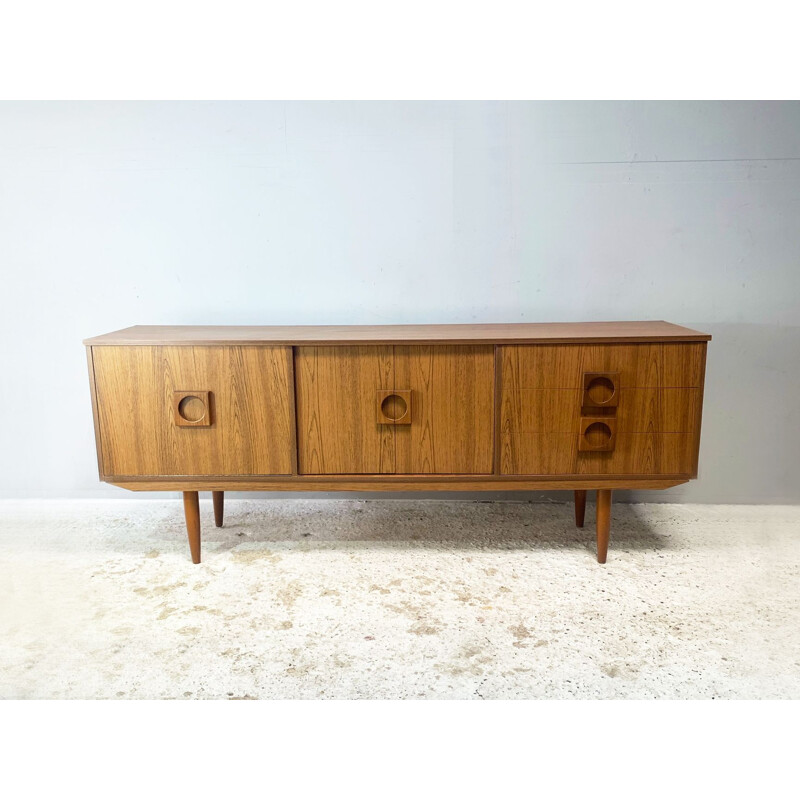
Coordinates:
(497, 333)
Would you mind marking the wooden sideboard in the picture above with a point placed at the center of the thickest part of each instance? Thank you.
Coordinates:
(578, 406)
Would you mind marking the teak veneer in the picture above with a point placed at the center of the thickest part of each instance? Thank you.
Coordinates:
(580, 406)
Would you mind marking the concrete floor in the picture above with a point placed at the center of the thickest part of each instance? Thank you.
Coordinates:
(397, 599)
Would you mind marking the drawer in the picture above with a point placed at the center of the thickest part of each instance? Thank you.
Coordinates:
(650, 394)
(635, 454)
(562, 366)
(194, 411)
(647, 410)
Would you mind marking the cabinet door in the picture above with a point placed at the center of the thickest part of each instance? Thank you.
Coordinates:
(194, 410)
(452, 409)
(337, 424)
(656, 419)
(343, 428)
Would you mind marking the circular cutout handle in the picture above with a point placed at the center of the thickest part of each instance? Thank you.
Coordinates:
(601, 390)
(394, 407)
(192, 408)
(598, 435)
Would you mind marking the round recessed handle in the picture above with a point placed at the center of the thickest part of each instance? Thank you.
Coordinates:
(394, 407)
(598, 434)
(601, 390)
(192, 408)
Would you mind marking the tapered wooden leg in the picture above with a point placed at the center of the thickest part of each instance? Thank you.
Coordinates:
(603, 523)
(219, 503)
(580, 506)
(191, 507)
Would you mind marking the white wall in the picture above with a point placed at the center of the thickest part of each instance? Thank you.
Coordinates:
(113, 214)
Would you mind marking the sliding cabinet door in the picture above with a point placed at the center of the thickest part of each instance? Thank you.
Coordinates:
(338, 431)
(451, 430)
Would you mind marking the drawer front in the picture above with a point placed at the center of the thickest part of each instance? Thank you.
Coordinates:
(634, 454)
(562, 366)
(395, 409)
(649, 414)
(195, 411)
(650, 410)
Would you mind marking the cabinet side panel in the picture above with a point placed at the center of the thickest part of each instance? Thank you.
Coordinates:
(336, 406)
(95, 414)
(698, 409)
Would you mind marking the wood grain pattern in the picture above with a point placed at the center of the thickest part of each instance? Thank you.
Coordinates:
(335, 402)
(633, 454)
(653, 410)
(657, 418)
(639, 365)
(684, 364)
(528, 411)
(657, 410)
(640, 454)
(494, 333)
(251, 432)
(452, 422)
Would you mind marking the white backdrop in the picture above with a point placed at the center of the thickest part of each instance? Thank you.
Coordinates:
(114, 214)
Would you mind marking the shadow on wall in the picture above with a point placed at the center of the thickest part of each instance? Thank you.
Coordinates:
(750, 443)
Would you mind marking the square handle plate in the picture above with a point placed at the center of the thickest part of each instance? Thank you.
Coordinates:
(600, 389)
(192, 409)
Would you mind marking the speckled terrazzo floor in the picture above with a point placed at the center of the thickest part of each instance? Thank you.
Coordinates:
(397, 599)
